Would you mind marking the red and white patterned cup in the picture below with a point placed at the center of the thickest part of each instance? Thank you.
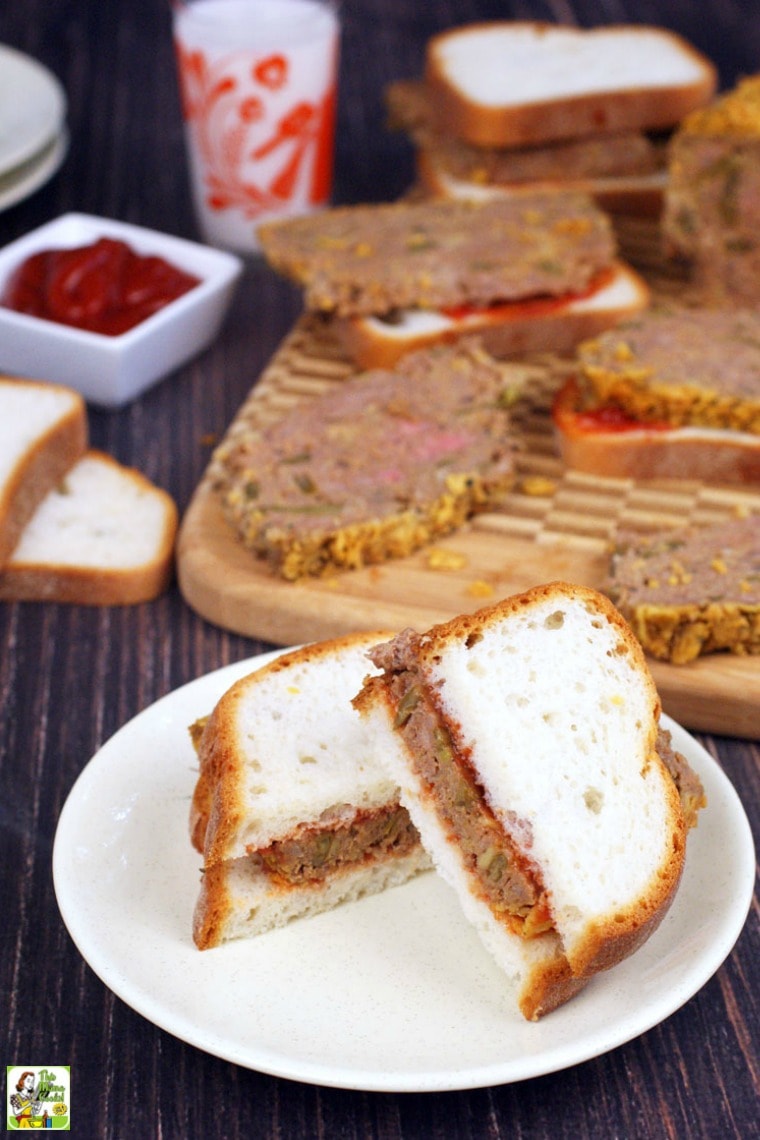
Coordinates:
(258, 81)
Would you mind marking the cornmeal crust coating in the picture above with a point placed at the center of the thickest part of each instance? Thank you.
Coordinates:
(697, 367)
(693, 592)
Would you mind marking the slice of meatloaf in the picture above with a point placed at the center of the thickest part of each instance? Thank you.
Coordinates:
(371, 259)
(376, 467)
(711, 215)
(691, 592)
(685, 366)
(601, 156)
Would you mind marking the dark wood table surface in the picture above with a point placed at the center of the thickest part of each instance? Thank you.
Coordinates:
(71, 676)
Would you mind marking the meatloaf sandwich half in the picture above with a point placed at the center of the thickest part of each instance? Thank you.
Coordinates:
(535, 272)
(671, 393)
(525, 741)
(293, 811)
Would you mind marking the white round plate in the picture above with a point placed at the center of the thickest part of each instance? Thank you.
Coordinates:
(32, 107)
(391, 993)
(23, 180)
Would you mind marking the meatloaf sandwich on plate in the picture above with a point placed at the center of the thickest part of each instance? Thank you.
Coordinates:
(526, 743)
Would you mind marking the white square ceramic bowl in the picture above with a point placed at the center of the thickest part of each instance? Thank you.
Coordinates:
(112, 370)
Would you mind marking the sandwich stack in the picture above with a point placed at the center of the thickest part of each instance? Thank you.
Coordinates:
(507, 105)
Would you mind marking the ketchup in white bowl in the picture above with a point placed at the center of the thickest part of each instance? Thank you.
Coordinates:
(104, 287)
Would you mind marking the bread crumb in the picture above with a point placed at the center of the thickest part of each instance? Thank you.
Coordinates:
(538, 486)
(439, 559)
(480, 589)
(623, 351)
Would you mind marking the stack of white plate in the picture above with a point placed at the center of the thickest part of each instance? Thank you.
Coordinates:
(33, 136)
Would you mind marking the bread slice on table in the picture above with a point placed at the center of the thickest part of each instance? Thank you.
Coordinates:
(520, 82)
(43, 431)
(103, 536)
(293, 809)
(690, 591)
(524, 739)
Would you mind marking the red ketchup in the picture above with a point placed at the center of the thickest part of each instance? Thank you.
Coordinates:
(105, 287)
(612, 419)
(540, 306)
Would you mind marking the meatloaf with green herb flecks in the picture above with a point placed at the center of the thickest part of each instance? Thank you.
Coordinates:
(372, 259)
(376, 467)
(712, 217)
(691, 592)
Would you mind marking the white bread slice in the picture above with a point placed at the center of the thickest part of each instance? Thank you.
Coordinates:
(508, 83)
(633, 195)
(103, 536)
(625, 449)
(510, 329)
(43, 431)
(552, 711)
(283, 752)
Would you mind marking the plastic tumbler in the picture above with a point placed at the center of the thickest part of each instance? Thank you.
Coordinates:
(258, 81)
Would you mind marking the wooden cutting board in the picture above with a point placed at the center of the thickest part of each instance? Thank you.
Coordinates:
(556, 524)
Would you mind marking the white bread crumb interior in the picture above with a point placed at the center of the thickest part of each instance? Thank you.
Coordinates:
(101, 515)
(513, 65)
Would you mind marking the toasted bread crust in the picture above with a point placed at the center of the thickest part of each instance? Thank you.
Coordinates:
(608, 943)
(217, 806)
(547, 987)
(262, 866)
